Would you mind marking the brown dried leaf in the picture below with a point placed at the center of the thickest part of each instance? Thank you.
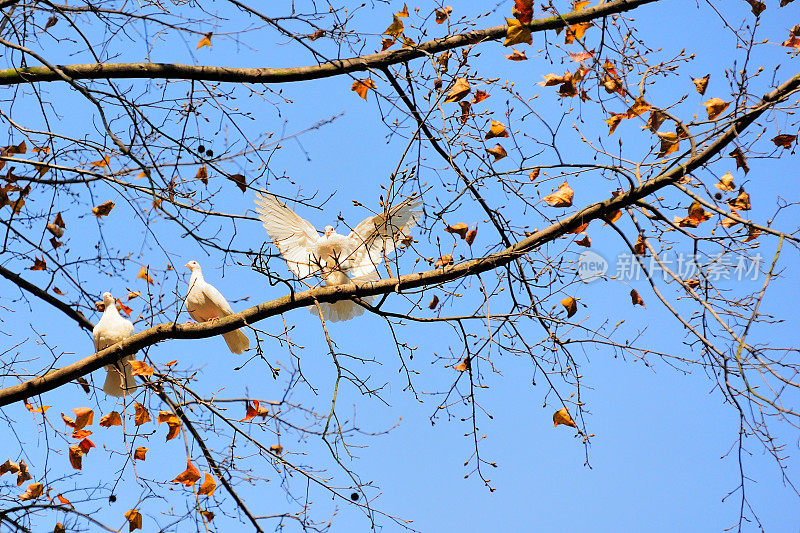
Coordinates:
(741, 160)
(741, 202)
(471, 234)
(202, 174)
(715, 107)
(444, 261)
(443, 14)
(523, 10)
(562, 197)
(103, 209)
(395, 28)
(140, 453)
(459, 229)
(585, 242)
(240, 181)
(143, 274)
(517, 33)
(498, 152)
(785, 140)
(516, 55)
(669, 142)
(496, 129)
(33, 491)
(434, 302)
(480, 96)
(464, 365)
(701, 84)
(459, 90)
(38, 264)
(75, 456)
(134, 518)
(639, 248)
(636, 299)
(756, 7)
(83, 417)
(140, 368)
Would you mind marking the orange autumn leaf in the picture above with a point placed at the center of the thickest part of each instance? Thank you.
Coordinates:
(562, 197)
(498, 152)
(562, 417)
(33, 491)
(636, 299)
(444, 261)
(140, 368)
(202, 174)
(403, 12)
(140, 453)
(173, 421)
(83, 417)
(576, 31)
(32, 409)
(585, 242)
(171, 362)
(134, 519)
(103, 209)
(101, 163)
(22, 475)
(443, 14)
(189, 476)
(696, 215)
(613, 121)
(81, 433)
(208, 487)
(395, 28)
(64, 501)
(124, 308)
(464, 365)
(715, 107)
(434, 302)
(741, 202)
(639, 248)
(75, 456)
(479, 97)
(459, 229)
(141, 416)
(111, 419)
(669, 142)
(726, 183)
(580, 229)
(85, 445)
(752, 233)
(516, 55)
(523, 10)
(360, 87)
(132, 295)
(251, 410)
(471, 234)
(277, 449)
(38, 264)
(143, 274)
(459, 90)
(205, 41)
(571, 305)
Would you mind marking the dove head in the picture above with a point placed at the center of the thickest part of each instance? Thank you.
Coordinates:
(192, 265)
(329, 231)
(108, 299)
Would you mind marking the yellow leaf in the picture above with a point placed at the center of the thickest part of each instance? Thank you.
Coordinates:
(361, 87)
(205, 41)
(576, 31)
(562, 197)
(208, 487)
(517, 33)
(403, 12)
(562, 417)
(459, 90)
(571, 305)
(172, 420)
(102, 163)
(396, 28)
(134, 518)
(40, 409)
(140, 368)
(496, 129)
(103, 209)
(715, 107)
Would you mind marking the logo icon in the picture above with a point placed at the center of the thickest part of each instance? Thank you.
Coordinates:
(591, 266)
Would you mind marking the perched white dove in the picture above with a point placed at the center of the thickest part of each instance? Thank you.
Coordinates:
(110, 329)
(204, 302)
(336, 258)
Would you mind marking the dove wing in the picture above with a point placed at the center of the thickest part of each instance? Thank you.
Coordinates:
(293, 236)
(377, 236)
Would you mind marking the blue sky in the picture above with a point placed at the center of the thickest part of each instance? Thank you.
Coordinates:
(660, 457)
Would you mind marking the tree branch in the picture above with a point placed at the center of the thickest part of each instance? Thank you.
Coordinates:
(330, 294)
(169, 71)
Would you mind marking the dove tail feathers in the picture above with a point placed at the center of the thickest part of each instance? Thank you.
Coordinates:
(119, 384)
(237, 341)
(340, 311)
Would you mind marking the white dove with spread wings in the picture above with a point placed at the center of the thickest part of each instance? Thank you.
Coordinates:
(336, 258)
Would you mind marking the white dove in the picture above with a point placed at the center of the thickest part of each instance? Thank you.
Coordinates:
(204, 302)
(110, 329)
(337, 258)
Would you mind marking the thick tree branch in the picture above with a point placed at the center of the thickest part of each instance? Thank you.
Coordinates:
(92, 71)
(278, 306)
